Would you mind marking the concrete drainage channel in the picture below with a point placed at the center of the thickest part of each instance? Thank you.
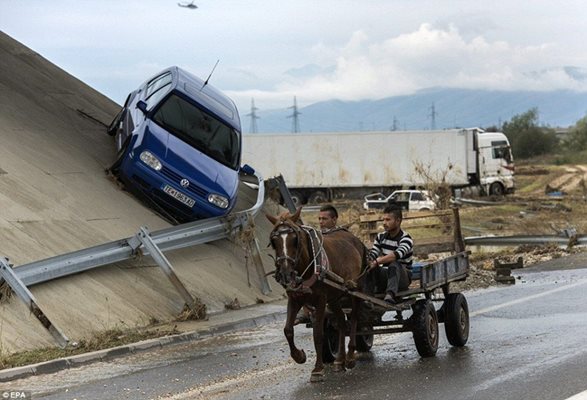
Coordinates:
(143, 243)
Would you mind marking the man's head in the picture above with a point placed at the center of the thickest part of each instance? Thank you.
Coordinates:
(392, 218)
(328, 216)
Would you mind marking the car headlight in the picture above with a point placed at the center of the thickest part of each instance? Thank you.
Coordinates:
(218, 200)
(148, 158)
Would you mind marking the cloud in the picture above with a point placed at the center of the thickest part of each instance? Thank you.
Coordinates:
(430, 56)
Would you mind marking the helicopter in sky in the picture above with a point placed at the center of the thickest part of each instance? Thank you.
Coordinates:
(188, 5)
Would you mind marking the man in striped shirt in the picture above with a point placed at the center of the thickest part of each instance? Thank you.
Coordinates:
(390, 257)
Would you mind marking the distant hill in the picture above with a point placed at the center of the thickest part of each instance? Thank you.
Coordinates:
(453, 108)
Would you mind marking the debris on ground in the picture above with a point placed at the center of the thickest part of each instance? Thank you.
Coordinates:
(233, 304)
(198, 311)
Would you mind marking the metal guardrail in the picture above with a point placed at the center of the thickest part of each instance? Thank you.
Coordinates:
(145, 243)
(524, 239)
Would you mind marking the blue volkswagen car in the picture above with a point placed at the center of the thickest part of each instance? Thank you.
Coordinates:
(179, 146)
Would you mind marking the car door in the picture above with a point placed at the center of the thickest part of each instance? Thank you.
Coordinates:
(151, 93)
(416, 200)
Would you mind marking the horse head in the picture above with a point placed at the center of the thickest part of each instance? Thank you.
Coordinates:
(290, 243)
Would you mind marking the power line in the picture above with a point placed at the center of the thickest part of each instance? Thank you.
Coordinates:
(295, 126)
(432, 116)
(394, 126)
(254, 117)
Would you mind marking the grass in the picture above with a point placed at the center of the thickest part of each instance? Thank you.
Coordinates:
(103, 340)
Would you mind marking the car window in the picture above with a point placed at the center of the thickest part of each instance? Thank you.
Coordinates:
(417, 196)
(157, 83)
(199, 129)
(157, 89)
(403, 196)
(374, 197)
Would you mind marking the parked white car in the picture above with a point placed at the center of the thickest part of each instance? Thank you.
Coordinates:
(412, 200)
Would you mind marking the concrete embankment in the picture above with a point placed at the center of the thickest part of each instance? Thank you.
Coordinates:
(56, 198)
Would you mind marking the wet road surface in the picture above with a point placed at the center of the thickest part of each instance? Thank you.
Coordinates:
(527, 341)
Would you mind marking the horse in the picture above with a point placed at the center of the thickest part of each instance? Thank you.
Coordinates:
(300, 258)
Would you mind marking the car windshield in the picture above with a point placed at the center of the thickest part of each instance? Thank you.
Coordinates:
(199, 129)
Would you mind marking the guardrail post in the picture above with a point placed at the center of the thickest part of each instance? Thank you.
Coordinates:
(156, 254)
(8, 274)
(256, 256)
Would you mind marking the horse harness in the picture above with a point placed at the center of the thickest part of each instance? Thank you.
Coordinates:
(319, 258)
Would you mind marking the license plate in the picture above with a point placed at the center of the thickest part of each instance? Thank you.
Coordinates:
(179, 196)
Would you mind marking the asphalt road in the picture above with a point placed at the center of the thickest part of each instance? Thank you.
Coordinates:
(527, 341)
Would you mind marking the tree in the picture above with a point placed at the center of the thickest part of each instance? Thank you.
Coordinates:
(577, 140)
(527, 138)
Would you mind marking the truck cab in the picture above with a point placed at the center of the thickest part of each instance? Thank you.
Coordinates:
(496, 164)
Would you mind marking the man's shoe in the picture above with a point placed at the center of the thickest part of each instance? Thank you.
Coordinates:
(389, 299)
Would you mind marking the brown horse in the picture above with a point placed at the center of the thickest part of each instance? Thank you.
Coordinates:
(296, 255)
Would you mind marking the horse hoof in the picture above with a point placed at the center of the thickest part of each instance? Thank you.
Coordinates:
(299, 357)
(350, 364)
(317, 376)
(338, 366)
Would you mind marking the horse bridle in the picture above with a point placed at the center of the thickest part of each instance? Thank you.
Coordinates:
(288, 228)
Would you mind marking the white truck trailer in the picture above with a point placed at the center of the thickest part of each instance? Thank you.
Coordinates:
(320, 167)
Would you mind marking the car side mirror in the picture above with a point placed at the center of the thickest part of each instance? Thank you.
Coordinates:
(141, 105)
(247, 169)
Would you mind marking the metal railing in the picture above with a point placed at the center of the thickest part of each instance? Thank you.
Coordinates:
(144, 243)
(524, 239)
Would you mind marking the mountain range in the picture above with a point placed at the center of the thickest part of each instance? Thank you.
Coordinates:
(450, 107)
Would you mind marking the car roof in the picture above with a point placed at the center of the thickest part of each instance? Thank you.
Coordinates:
(207, 96)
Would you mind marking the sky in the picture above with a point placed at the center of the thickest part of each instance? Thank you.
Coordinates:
(315, 50)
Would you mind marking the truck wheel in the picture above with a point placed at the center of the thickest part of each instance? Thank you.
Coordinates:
(364, 343)
(496, 189)
(297, 198)
(425, 328)
(456, 319)
(330, 342)
(318, 197)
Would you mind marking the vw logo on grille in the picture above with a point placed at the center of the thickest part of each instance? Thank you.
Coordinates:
(184, 183)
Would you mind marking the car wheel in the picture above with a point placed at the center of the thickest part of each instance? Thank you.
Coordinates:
(115, 124)
(115, 167)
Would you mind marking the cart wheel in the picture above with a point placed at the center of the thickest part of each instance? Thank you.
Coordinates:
(425, 328)
(364, 343)
(330, 342)
(456, 319)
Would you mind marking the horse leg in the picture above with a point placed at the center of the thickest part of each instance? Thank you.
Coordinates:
(351, 357)
(318, 333)
(339, 362)
(293, 307)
